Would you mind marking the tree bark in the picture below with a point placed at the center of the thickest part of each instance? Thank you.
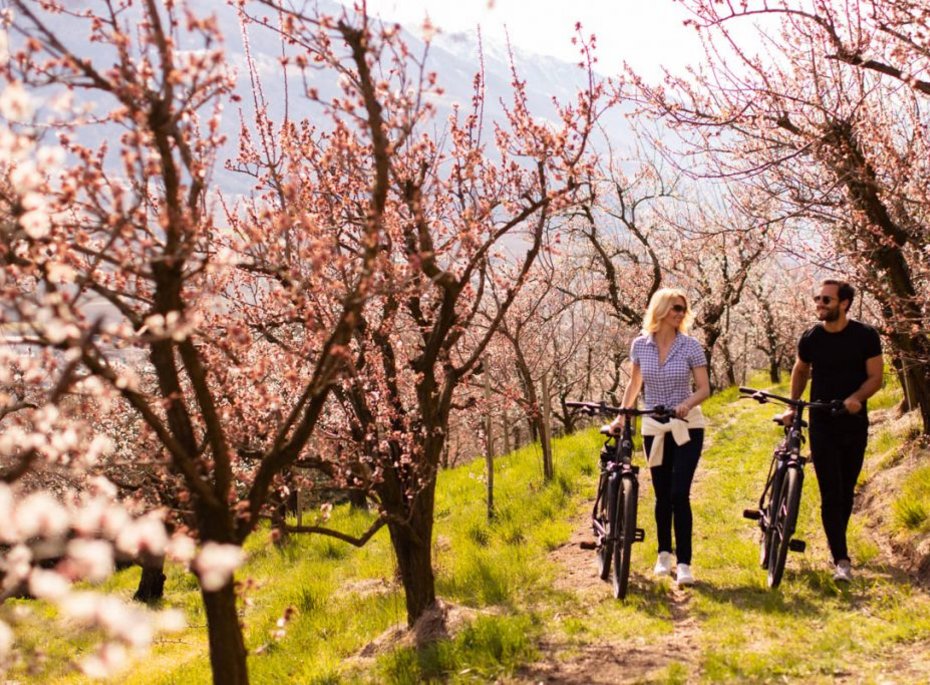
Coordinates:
(227, 647)
(545, 437)
(151, 582)
(412, 543)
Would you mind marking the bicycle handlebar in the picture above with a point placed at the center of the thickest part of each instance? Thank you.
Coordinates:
(604, 409)
(761, 396)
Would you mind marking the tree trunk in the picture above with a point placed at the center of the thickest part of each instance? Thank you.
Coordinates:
(505, 420)
(227, 647)
(489, 444)
(151, 582)
(545, 437)
(412, 543)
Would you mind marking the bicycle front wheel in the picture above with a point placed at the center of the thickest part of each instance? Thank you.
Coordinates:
(608, 521)
(784, 520)
(624, 542)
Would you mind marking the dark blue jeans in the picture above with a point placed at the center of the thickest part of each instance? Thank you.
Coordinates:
(672, 485)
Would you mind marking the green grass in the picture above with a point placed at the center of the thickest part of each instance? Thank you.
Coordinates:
(912, 506)
(499, 570)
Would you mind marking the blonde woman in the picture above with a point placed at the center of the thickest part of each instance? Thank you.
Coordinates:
(671, 368)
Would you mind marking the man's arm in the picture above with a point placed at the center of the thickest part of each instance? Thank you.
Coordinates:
(800, 374)
(875, 371)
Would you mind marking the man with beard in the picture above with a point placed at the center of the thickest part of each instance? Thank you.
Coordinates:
(843, 358)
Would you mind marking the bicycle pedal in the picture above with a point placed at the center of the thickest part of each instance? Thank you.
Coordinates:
(587, 545)
(639, 535)
(797, 545)
(753, 514)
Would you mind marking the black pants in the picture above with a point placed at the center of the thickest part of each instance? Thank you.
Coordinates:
(672, 485)
(838, 450)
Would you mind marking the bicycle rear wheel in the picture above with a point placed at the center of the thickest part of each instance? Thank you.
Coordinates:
(784, 520)
(624, 542)
(607, 517)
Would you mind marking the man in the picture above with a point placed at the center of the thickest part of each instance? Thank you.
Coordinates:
(844, 359)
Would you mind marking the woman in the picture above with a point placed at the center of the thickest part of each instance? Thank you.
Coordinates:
(665, 362)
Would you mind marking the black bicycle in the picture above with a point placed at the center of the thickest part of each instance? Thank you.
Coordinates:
(613, 518)
(781, 498)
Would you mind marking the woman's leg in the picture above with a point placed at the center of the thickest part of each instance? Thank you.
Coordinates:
(684, 462)
(662, 487)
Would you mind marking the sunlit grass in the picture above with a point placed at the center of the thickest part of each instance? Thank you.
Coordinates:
(807, 630)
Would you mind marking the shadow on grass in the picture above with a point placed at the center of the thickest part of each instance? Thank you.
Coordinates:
(764, 601)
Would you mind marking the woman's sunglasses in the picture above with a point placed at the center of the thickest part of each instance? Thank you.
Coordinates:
(679, 308)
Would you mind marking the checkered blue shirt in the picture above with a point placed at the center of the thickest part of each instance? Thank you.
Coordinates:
(668, 384)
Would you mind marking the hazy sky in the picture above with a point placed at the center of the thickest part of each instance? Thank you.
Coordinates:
(645, 33)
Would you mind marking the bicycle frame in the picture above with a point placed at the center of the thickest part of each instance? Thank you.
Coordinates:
(613, 517)
(778, 510)
(616, 463)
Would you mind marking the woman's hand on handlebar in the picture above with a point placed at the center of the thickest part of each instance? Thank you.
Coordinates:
(682, 410)
(616, 426)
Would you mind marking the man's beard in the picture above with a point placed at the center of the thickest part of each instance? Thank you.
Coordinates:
(829, 315)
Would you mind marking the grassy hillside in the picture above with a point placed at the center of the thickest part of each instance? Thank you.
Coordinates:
(513, 610)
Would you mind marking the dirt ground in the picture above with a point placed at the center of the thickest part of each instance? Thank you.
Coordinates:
(607, 662)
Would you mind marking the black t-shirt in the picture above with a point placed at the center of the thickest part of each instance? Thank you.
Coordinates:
(838, 360)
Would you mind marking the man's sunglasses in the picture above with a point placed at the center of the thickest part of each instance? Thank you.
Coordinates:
(679, 308)
(826, 299)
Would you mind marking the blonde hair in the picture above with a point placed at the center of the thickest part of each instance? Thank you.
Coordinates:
(659, 305)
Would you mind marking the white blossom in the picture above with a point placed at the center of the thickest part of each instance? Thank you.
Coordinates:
(15, 103)
(48, 585)
(170, 621)
(6, 637)
(36, 223)
(40, 514)
(181, 548)
(146, 534)
(16, 564)
(215, 564)
(25, 177)
(111, 658)
(93, 559)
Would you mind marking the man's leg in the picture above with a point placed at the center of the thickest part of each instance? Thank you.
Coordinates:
(838, 453)
(827, 453)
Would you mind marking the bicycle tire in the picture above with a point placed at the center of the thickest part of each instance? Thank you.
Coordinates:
(784, 521)
(765, 544)
(608, 517)
(623, 545)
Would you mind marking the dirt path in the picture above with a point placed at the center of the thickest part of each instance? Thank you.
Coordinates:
(629, 661)
(681, 653)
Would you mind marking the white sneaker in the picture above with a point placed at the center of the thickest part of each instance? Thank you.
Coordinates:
(663, 564)
(684, 576)
(843, 572)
